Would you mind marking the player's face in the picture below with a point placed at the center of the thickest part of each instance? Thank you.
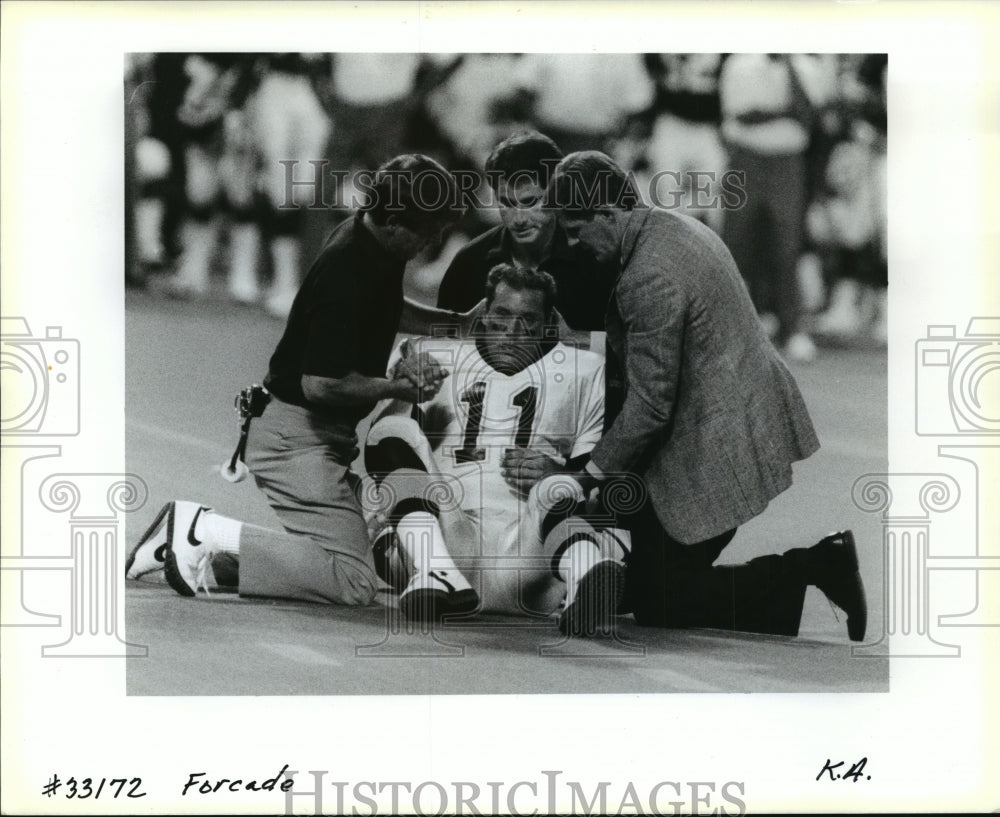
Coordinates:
(597, 236)
(522, 213)
(514, 320)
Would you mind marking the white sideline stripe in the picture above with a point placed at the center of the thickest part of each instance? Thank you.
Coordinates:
(302, 654)
(167, 435)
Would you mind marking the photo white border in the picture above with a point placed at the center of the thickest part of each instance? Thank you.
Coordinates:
(928, 741)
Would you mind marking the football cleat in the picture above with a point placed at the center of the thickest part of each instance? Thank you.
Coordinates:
(187, 559)
(590, 606)
(150, 554)
(429, 597)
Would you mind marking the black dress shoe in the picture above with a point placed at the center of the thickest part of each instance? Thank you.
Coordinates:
(834, 570)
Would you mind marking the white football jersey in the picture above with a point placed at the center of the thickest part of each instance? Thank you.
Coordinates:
(554, 405)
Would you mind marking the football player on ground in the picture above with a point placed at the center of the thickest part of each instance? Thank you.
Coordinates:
(474, 477)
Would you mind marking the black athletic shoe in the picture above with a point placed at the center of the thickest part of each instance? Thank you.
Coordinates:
(429, 597)
(590, 607)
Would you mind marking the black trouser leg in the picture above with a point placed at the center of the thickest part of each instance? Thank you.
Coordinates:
(670, 584)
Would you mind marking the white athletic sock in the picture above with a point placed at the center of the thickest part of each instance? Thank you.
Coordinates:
(577, 559)
(221, 532)
(422, 540)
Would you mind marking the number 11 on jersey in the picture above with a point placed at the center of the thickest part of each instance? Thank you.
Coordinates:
(525, 401)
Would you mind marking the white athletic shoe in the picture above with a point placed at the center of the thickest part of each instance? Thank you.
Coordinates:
(187, 560)
(150, 554)
(590, 605)
(429, 597)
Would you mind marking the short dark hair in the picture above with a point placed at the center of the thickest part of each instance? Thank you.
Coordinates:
(520, 278)
(417, 190)
(589, 181)
(525, 154)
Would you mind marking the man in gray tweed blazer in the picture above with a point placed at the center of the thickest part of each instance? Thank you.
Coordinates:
(711, 421)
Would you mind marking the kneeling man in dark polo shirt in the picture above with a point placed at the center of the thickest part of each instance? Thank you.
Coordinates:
(327, 373)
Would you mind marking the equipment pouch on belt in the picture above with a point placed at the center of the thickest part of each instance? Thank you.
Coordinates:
(249, 403)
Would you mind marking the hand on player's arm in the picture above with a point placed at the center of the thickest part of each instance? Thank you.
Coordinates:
(523, 467)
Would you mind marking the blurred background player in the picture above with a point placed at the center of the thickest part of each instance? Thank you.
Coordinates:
(245, 116)
(685, 132)
(583, 101)
(369, 100)
(154, 162)
(220, 165)
(472, 477)
(846, 220)
(289, 123)
(464, 105)
(768, 103)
